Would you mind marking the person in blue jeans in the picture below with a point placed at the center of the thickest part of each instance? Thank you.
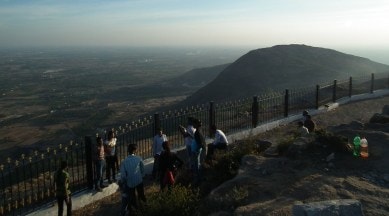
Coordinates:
(99, 158)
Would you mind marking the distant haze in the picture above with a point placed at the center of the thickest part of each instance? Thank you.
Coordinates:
(346, 24)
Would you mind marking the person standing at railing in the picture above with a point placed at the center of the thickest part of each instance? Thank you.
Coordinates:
(197, 147)
(111, 156)
(99, 158)
(159, 138)
(131, 179)
(62, 180)
(188, 134)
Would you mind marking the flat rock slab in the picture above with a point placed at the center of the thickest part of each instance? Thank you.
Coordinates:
(329, 208)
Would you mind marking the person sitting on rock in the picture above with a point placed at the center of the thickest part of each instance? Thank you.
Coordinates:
(302, 129)
(309, 124)
(220, 142)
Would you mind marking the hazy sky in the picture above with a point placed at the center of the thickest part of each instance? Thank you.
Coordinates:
(256, 23)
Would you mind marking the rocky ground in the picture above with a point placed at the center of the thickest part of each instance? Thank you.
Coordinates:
(272, 185)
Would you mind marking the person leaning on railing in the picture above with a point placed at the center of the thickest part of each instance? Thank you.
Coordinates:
(111, 157)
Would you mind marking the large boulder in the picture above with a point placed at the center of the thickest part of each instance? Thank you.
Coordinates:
(340, 207)
(385, 110)
(379, 118)
(262, 145)
(299, 145)
(354, 125)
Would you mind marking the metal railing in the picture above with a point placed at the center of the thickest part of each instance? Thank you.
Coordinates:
(27, 182)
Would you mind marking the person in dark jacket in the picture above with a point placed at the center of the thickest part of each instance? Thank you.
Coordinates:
(62, 180)
(197, 147)
(309, 124)
(168, 164)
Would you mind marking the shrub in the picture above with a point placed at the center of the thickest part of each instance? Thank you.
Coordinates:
(180, 200)
(284, 144)
(335, 142)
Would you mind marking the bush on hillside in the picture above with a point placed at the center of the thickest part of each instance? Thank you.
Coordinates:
(180, 200)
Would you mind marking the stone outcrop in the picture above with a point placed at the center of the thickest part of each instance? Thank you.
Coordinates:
(379, 118)
(299, 145)
(385, 110)
(342, 207)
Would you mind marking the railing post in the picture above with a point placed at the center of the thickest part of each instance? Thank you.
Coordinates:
(254, 112)
(317, 96)
(89, 161)
(286, 110)
(350, 87)
(334, 92)
(211, 117)
(372, 84)
(157, 124)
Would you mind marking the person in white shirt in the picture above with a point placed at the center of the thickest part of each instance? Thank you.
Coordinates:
(220, 142)
(111, 156)
(131, 179)
(159, 138)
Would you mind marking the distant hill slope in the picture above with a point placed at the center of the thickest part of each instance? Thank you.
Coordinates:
(196, 78)
(280, 67)
(185, 84)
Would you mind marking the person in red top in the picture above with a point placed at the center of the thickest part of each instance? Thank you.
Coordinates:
(168, 163)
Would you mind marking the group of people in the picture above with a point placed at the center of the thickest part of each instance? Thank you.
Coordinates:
(132, 169)
(166, 162)
(105, 159)
(195, 145)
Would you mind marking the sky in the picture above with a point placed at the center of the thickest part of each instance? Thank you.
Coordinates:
(252, 23)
